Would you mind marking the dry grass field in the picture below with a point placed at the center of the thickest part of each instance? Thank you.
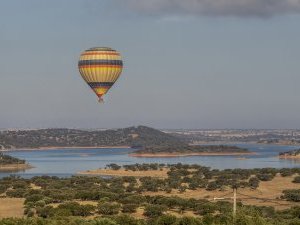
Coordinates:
(109, 172)
(270, 190)
(267, 194)
(94, 203)
(11, 207)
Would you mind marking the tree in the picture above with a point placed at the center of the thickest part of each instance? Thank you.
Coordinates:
(254, 182)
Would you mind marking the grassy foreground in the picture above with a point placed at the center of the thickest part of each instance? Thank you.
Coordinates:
(184, 195)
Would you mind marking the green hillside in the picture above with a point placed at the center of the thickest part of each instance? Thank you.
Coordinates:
(131, 136)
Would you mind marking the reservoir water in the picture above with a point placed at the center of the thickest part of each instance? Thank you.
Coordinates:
(67, 162)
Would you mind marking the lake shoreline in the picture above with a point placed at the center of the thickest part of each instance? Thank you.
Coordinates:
(15, 167)
(63, 148)
(297, 157)
(170, 155)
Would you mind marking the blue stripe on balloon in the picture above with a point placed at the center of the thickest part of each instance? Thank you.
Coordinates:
(100, 84)
(99, 62)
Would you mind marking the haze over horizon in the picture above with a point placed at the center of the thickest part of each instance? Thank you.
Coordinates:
(187, 64)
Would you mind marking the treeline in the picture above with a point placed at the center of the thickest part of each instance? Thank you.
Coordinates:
(7, 159)
(131, 136)
(191, 149)
(249, 217)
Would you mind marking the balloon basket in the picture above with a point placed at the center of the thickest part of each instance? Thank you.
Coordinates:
(101, 100)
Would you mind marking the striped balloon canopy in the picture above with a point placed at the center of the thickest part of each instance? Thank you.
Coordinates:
(100, 67)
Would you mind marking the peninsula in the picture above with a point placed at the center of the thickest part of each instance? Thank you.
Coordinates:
(294, 154)
(9, 163)
(190, 150)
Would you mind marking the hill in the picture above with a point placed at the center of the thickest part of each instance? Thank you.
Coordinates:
(132, 136)
(145, 139)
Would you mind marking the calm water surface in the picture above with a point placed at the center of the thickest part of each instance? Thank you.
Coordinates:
(67, 162)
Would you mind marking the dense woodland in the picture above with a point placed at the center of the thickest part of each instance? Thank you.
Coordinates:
(131, 136)
(117, 200)
(192, 149)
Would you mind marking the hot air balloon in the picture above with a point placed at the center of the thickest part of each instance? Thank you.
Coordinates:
(100, 67)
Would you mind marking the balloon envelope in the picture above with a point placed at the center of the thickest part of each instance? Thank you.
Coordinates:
(100, 67)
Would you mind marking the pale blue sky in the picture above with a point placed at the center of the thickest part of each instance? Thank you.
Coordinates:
(187, 65)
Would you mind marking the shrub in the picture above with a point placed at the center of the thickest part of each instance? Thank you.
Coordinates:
(291, 195)
(16, 193)
(296, 179)
(34, 198)
(40, 203)
(154, 210)
(125, 219)
(45, 212)
(166, 220)
(212, 186)
(265, 176)
(108, 208)
(206, 208)
(129, 208)
(189, 221)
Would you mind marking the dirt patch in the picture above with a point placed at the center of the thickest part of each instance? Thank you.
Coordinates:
(108, 172)
(11, 207)
(35, 187)
(94, 203)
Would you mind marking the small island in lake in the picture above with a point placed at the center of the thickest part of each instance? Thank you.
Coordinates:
(190, 150)
(294, 154)
(9, 163)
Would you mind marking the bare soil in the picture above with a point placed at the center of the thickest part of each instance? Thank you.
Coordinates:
(11, 207)
(122, 172)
